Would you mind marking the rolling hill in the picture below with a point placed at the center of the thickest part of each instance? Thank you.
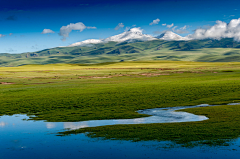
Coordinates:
(131, 49)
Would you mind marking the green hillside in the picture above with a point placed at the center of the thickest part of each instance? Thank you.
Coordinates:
(224, 50)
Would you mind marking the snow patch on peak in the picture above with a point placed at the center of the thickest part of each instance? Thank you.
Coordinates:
(136, 30)
(169, 35)
(134, 33)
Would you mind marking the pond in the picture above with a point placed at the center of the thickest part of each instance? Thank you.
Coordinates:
(37, 139)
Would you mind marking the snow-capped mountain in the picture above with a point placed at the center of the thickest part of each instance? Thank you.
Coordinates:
(169, 35)
(131, 34)
(134, 34)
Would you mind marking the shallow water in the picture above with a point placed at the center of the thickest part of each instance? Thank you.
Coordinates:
(37, 139)
(158, 115)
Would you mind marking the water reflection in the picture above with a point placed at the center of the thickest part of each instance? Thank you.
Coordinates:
(74, 125)
(50, 125)
(158, 115)
(2, 124)
(37, 139)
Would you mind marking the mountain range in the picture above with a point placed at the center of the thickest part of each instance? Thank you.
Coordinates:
(132, 45)
(132, 35)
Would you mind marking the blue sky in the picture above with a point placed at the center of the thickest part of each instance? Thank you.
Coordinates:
(23, 21)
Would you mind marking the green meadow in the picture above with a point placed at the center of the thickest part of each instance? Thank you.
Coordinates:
(79, 92)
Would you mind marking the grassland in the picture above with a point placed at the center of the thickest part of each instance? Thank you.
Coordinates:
(116, 90)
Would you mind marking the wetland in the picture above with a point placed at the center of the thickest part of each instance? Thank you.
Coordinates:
(56, 97)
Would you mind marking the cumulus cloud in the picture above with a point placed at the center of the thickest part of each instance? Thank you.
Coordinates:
(169, 26)
(65, 30)
(119, 26)
(1, 35)
(10, 34)
(219, 30)
(46, 31)
(156, 21)
(164, 24)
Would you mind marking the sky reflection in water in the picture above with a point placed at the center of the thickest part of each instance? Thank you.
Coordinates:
(37, 139)
(158, 115)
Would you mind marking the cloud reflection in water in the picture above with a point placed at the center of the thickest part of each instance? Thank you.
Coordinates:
(50, 125)
(2, 124)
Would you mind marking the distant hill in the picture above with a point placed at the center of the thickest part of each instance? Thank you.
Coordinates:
(224, 50)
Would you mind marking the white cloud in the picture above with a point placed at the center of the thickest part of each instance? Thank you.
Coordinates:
(169, 26)
(119, 26)
(219, 30)
(91, 27)
(174, 27)
(126, 29)
(164, 24)
(65, 30)
(156, 21)
(46, 31)
(1, 35)
(10, 34)
(182, 30)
